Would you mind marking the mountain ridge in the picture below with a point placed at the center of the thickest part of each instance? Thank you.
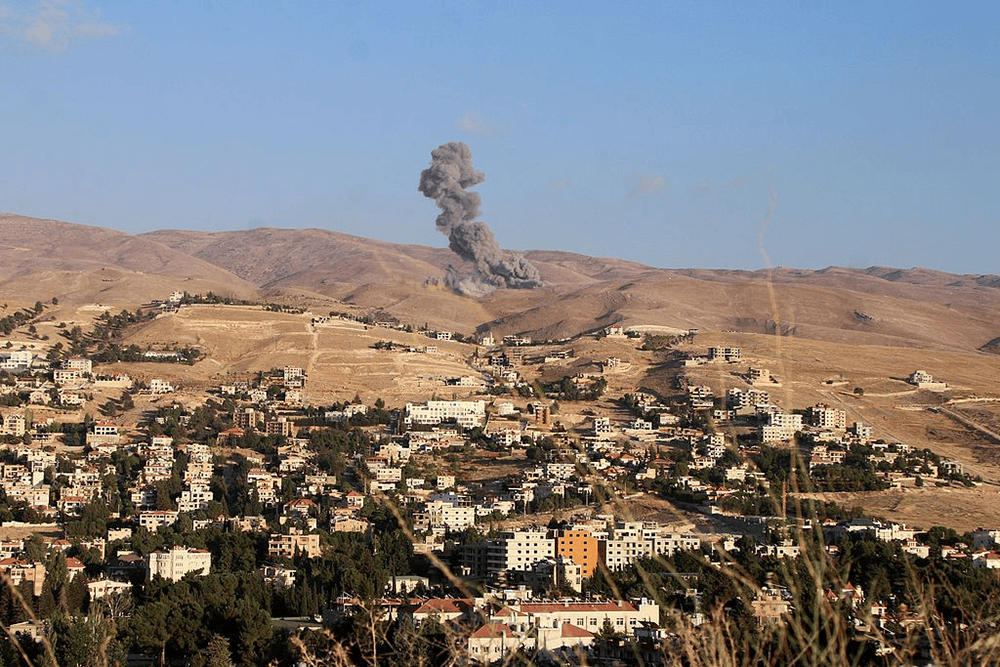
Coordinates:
(322, 268)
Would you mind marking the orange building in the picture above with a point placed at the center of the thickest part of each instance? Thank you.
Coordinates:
(580, 547)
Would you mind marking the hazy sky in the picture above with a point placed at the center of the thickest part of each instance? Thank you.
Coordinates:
(648, 131)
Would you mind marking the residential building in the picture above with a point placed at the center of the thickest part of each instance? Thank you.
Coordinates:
(285, 546)
(519, 550)
(467, 414)
(581, 547)
(176, 562)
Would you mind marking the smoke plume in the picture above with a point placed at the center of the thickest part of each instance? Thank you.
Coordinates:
(446, 182)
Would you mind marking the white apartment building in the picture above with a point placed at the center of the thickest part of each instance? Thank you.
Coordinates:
(861, 430)
(451, 516)
(195, 497)
(158, 386)
(560, 470)
(104, 433)
(153, 519)
(82, 364)
(143, 497)
(622, 615)
(63, 376)
(519, 550)
(780, 426)
(17, 360)
(176, 562)
(467, 414)
(391, 475)
(628, 541)
(625, 544)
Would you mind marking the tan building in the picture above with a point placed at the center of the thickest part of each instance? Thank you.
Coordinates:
(13, 424)
(285, 546)
(246, 419)
(281, 426)
(19, 570)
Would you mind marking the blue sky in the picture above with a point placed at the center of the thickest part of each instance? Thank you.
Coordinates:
(647, 131)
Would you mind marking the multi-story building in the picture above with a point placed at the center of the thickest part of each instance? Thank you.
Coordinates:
(104, 433)
(153, 519)
(467, 414)
(82, 364)
(822, 415)
(622, 615)
(13, 424)
(780, 426)
(143, 497)
(624, 545)
(174, 563)
(727, 354)
(450, 515)
(519, 550)
(285, 546)
(17, 360)
(279, 426)
(19, 571)
(195, 497)
(246, 419)
(63, 376)
(581, 547)
(158, 386)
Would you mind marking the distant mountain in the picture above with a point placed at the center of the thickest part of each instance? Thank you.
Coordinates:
(30, 245)
(330, 270)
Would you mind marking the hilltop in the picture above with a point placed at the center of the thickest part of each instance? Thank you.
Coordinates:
(326, 270)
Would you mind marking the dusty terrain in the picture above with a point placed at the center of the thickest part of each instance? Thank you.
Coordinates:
(864, 329)
(328, 270)
(338, 357)
(960, 508)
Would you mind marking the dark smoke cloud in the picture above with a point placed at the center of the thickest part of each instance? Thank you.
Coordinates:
(445, 181)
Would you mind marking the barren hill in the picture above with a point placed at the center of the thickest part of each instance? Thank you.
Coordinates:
(42, 258)
(330, 270)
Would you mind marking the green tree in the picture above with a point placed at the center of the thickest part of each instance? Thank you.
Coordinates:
(217, 653)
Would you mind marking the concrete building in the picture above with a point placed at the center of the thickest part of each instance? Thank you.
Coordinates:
(152, 520)
(822, 415)
(279, 426)
(780, 426)
(467, 414)
(285, 546)
(195, 497)
(13, 424)
(581, 547)
(174, 563)
(82, 364)
(518, 550)
(158, 386)
(726, 354)
(246, 419)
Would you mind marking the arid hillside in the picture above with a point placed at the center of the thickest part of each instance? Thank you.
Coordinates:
(325, 270)
(874, 306)
(91, 265)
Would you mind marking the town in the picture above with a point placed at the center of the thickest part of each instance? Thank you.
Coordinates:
(527, 517)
